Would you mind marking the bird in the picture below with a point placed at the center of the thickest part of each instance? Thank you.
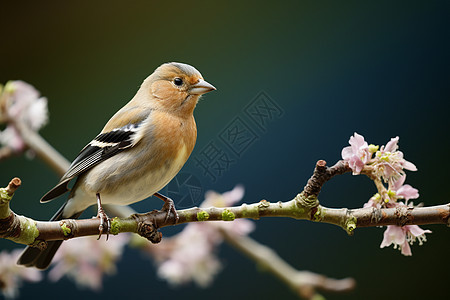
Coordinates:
(139, 151)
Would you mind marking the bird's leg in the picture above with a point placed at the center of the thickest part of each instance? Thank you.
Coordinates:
(103, 219)
(168, 206)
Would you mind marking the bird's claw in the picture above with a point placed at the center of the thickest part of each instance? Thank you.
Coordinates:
(104, 220)
(169, 207)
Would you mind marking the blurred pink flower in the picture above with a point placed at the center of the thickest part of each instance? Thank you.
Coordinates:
(10, 137)
(12, 275)
(357, 154)
(85, 260)
(191, 254)
(389, 163)
(21, 103)
(230, 198)
(404, 236)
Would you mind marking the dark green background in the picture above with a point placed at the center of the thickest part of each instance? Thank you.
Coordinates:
(378, 68)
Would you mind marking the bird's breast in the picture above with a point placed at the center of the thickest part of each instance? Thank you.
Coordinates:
(131, 176)
(149, 181)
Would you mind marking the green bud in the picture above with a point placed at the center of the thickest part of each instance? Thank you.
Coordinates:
(115, 226)
(66, 230)
(392, 194)
(228, 215)
(376, 197)
(202, 215)
(373, 148)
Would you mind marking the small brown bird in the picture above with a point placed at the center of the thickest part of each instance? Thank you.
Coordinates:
(141, 148)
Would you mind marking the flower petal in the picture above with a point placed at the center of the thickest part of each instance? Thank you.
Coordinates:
(406, 249)
(393, 235)
(408, 192)
(409, 166)
(416, 230)
(347, 153)
(391, 146)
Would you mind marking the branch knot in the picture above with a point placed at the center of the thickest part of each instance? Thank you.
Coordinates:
(403, 215)
(306, 201)
(150, 232)
(146, 228)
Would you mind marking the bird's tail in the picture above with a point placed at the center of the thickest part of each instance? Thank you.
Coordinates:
(41, 259)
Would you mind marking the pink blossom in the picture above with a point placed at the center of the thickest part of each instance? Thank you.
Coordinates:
(85, 260)
(357, 154)
(402, 237)
(403, 191)
(10, 137)
(226, 199)
(12, 275)
(389, 162)
(191, 255)
(375, 202)
(240, 226)
(22, 103)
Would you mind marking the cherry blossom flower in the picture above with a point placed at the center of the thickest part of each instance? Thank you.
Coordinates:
(191, 255)
(403, 191)
(389, 162)
(21, 102)
(12, 275)
(85, 260)
(357, 154)
(397, 191)
(402, 237)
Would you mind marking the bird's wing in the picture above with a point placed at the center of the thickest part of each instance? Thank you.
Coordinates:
(104, 146)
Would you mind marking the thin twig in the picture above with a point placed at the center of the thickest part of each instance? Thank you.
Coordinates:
(43, 149)
(322, 174)
(302, 282)
(13, 185)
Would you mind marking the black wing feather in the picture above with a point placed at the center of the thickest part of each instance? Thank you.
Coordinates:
(111, 143)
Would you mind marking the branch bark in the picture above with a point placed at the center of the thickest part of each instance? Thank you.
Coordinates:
(28, 231)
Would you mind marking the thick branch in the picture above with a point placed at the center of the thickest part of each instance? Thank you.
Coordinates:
(27, 231)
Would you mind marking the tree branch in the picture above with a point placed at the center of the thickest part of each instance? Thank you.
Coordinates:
(303, 283)
(28, 231)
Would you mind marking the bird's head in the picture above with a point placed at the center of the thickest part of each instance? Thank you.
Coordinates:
(176, 87)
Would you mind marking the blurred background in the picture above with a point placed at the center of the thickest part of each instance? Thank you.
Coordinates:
(327, 70)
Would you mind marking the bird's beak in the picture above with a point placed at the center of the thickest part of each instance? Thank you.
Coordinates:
(201, 87)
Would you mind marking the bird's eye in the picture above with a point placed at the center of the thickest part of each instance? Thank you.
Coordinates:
(178, 81)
